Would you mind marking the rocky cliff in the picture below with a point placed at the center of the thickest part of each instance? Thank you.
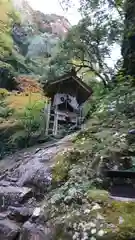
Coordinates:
(27, 35)
(39, 32)
(41, 22)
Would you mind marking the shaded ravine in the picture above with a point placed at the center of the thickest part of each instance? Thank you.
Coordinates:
(24, 180)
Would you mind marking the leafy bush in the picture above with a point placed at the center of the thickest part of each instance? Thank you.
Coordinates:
(32, 121)
(5, 110)
(31, 117)
(99, 93)
(7, 76)
(18, 140)
(3, 93)
(7, 17)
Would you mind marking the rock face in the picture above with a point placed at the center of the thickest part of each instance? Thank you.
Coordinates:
(38, 33)
(11, 195)
(8, 230)
(34, 173)
(20, 214)
(34, 231)
(23, 178)
(51, 23)
(25, 10)
(33, 36)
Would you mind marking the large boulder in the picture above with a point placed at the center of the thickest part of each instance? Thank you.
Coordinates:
(20, 214)
(12, 196)
(8, 229)
(34, 174)
(35, 231)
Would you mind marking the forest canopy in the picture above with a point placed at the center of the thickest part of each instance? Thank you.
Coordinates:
(89, 45)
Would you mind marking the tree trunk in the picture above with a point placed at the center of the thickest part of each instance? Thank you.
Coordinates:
(128, 47)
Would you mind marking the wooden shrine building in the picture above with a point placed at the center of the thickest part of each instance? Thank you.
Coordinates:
(67, 95)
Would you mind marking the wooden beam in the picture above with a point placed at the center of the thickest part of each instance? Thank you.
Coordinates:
(55, 125)
(48, 116)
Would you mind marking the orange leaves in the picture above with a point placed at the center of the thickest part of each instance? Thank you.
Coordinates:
(27, 84)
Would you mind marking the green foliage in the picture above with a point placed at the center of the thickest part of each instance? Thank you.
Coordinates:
(5, 110)
(14, 16)
(31, 118)
(8, 65)
(119, 3)
(92, 40)
(98, 195)
(3, 93)
(61, 169)
(124, 210)
(18, 63)
(90, 44)
(85, 5)
(7, 76)
(31, 122)
(63, 164)
(7, 17)
(6, 44)
(18, 139)
(99, 93)
(128, 52)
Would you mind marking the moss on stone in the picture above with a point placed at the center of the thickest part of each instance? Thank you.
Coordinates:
(60, 169)
(63, 162)
(121, 214)
(61, 233)
(98, 195)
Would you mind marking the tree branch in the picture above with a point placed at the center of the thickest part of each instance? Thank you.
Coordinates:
(91, 69)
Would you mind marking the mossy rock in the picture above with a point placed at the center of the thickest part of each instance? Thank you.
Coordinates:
(63, 162)
(60, 169)
(97, 195)
(119, 214)
(111, 212)
(117, 210)
(61, 233)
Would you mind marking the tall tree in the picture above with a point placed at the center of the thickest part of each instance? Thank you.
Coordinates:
(89, 43)
(128, 47)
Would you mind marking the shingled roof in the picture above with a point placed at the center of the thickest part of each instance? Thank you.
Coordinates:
(68, 79)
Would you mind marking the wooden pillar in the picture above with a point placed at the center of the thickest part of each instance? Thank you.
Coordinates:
(48, 116)
(55, 125)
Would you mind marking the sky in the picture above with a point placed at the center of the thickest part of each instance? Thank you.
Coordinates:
(53, 6)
